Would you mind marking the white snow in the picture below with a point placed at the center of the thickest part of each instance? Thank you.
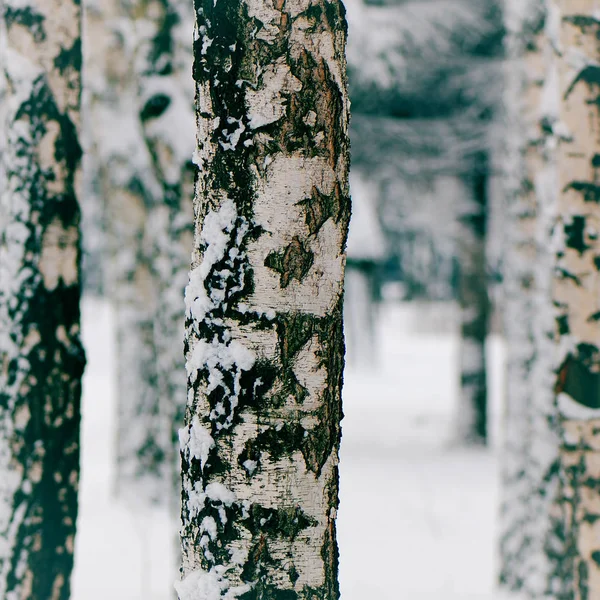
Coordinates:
(365, 238)
(197, 439)
(199, 585)
(217, 492)
(428, 507)
(216, 232)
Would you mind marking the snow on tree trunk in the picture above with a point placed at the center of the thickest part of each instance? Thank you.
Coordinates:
(576, 290)
(41, 357)
(264, 341)
(144, 123)
(475, 313)
(531, 533)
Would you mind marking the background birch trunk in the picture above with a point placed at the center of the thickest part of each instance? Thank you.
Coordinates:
(531, 535)
(264, 340)
(141, 108)
(96, 93)
(475, 311)
(41, 358)
(576, 292)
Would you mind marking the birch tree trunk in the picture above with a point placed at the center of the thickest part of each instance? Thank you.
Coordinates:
(576, 293)
(41, 357)
(141, 103)
(475, 312)
(532, 537)
(95, 94)
(264, 340)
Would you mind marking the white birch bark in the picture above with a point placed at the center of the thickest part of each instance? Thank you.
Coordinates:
(533, 537)
(264, 337)
(41, 358)
(576, 291)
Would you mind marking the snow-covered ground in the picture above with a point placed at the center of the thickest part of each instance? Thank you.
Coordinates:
(417, 512)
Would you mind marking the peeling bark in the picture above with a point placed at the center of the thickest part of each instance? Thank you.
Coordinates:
(264, 340)
(41, 357)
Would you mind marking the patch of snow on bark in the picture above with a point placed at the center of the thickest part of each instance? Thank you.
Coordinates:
(208, 585)
(216, 232)
(197, 440)
(217, 492)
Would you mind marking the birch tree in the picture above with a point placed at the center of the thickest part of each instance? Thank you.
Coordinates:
(551, 549)
(142, 133)
(576, 290)
(474, 308)
(264, 340)
(531, 546)
(41, 357)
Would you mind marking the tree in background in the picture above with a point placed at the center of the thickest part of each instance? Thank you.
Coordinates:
(264, 340)
(41, 358)
(574, 116)
(551, 507)
(530, 445)
(141, 138)
(424, 92)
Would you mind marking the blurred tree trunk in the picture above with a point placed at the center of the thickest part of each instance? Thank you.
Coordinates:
(96, 91)
(41, 357)
(545, 552)
(475, 311)
(264, 342)
(141, 112)
(530, 443)
(576, 290)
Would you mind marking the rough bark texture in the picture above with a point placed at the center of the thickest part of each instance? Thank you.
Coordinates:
(141, 114)
(576, 293)
(41, 358)
(531, 537)
(264, 337)
(475, 312)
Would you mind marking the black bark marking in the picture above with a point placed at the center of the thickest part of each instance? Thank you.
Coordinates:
(579, 377)
(320, 96)
(26, 17)
(285, 523)
(155, 107)
(575, 234)
(321, 207)
(562, 323)
(293, 263)
(583, 580)
(564, 274)
(590, 75)
(589, 190)
(584, 22)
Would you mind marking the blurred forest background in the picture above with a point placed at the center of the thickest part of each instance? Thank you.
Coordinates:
(423, 285)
